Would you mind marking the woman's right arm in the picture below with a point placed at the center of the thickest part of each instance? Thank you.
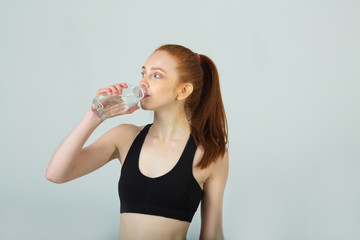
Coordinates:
(62, 167)
(71, 160)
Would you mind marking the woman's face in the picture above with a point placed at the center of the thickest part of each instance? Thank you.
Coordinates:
(160, 80)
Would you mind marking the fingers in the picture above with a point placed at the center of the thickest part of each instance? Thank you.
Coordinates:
(129, 111)
(114, 90)
(133, 109)
(103, 91)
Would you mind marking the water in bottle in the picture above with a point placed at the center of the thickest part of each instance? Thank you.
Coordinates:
(107, 105)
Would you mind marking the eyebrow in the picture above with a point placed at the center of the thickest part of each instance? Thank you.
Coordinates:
(154, 68)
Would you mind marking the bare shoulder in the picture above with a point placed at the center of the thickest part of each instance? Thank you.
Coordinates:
(220, 167)
(216, 170)
(219, 170)
(127, 129)
(222, 160)
(124, 135)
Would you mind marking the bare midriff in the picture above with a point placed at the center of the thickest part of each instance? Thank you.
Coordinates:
(150, 227)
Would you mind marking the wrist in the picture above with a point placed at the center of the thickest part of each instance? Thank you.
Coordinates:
(92, 118)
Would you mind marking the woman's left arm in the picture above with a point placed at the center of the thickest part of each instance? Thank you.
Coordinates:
(212, 202)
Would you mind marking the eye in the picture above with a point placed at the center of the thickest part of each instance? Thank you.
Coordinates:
(142, 74)
(156, 75)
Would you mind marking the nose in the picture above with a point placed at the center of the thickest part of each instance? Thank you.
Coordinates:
(144, 83)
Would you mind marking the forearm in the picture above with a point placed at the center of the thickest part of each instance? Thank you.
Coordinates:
(69, 150)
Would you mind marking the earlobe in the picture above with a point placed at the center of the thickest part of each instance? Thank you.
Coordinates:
(185, 91)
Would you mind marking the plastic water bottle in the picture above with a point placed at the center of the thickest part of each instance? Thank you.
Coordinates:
(107, 105)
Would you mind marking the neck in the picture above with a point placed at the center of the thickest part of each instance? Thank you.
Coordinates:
(169, 126)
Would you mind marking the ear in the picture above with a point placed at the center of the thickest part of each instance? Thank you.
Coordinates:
(185, 90)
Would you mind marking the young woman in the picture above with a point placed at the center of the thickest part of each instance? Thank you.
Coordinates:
(168, 166)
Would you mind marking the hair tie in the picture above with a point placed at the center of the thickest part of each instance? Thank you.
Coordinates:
(198, 56)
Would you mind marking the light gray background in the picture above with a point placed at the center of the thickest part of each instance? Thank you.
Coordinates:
(290, 82)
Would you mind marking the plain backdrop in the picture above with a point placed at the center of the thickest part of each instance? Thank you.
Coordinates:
(289, 74)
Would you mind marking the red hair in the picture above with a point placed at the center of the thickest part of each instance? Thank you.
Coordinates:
(204, 107)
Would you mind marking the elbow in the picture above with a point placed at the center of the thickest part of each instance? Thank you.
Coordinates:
(50, 176)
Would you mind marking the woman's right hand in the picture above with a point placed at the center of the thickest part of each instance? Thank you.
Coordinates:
(116, 90)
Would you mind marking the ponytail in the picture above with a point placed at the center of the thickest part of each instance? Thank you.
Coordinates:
(204, 107)
(208, 121)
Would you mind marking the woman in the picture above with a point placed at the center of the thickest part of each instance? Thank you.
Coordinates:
(168, 166)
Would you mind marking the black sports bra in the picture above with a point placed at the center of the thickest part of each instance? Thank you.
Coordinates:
(175, 194)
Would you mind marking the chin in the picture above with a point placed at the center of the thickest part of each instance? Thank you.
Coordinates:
(144, 106)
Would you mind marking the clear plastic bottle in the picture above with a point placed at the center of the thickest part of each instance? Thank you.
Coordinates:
(107, 105)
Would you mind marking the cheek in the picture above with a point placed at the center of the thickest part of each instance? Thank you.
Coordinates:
(167, 91)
